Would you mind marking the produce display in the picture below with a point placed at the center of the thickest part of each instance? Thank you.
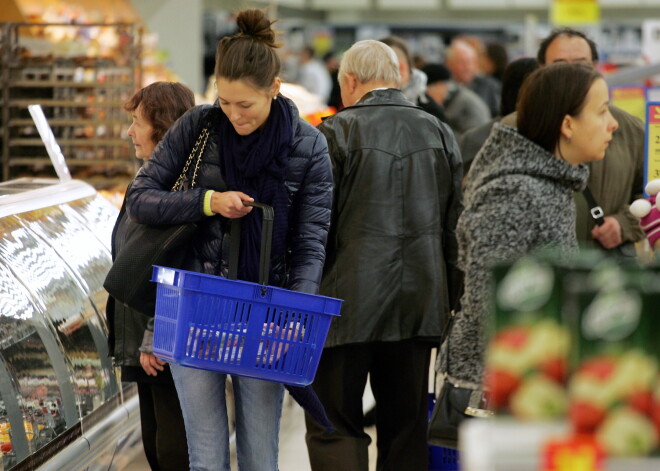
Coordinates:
(614, 369)
(579, 343)
(527, 355)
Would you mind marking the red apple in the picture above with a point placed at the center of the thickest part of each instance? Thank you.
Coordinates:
(641, 401)
(514, 337)
(500, 385)
(600, 368)
(585, 417)
(555, 368)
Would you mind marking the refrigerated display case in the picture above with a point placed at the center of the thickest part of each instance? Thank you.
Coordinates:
(61, 399)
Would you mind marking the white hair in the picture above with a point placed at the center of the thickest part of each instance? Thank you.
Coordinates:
(370, 61)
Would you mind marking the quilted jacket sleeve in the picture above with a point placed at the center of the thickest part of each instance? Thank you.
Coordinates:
(310, 216)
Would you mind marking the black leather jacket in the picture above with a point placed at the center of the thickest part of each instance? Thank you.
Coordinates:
(392, 247)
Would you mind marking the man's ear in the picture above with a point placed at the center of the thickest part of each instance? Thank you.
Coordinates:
(350, 82)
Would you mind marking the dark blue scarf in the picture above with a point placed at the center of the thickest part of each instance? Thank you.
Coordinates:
(256, 165)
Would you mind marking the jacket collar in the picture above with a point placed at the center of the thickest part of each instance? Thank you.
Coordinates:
(382, 97)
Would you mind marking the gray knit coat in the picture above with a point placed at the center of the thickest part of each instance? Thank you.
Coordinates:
(519, 198)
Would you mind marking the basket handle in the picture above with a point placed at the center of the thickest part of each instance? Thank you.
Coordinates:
(266, 239)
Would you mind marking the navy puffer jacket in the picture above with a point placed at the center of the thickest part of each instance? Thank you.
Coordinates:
(308, 181)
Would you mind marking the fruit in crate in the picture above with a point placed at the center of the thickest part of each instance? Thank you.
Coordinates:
(538, 398)
(611, 396)
(656, 407)
(626, 432)
(529, 358)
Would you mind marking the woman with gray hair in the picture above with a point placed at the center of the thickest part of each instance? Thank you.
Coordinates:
(391, 257)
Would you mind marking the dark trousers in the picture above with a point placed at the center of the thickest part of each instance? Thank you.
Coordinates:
(398, 373)
(163, 432)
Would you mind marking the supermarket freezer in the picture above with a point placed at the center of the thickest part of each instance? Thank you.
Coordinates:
(62, 403)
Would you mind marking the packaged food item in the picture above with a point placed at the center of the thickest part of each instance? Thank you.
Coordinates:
(652, 293)
(527, 354)
(613, 365)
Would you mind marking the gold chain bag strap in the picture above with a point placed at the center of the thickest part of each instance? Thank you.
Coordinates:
(182, 183)
(144, 245)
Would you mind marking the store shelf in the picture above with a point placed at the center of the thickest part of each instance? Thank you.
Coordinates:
(80, 84)
(82, 142)
(23, 103)
(23, 161)
(66, 122)
(65, 84)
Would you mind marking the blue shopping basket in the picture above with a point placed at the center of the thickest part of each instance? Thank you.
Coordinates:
(441, 458)
(239, 327)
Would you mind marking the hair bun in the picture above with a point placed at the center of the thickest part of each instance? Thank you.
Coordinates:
(253, 22)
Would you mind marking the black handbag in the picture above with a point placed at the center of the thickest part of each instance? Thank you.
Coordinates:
(455, 402)
(145, 245)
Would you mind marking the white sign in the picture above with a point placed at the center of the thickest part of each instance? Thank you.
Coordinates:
(408, 4)
(341, 4)
(651, 44)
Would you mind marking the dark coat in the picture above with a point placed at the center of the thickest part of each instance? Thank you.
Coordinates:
(126, 326)
(308, 181)
(392, 248)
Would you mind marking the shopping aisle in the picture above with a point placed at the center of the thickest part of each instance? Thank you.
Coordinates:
(293, 451)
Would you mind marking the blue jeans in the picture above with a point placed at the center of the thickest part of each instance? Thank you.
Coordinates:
(258, 406)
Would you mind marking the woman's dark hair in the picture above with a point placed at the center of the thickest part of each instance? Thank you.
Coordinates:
(249, 54)
(548, 95)
(499, 57)
(162, 104)
(514, 76)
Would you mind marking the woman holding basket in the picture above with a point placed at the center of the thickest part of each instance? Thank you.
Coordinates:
(258, 149)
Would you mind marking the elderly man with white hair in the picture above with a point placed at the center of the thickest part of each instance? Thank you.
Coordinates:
(391, 257)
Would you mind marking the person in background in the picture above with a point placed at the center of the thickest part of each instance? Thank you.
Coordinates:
(391, 258)
(518, 198)
(258, 149)
(514, 75)
(463, 108)
(495, 60)
(413, 81)
(313, 74)
(463, 61)
(615, 181)
(153, 109)
(332, 64)
(419, 61)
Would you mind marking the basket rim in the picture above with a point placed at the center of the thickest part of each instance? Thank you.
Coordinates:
(222, 279)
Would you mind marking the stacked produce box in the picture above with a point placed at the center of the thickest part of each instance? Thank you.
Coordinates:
(577, 341)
